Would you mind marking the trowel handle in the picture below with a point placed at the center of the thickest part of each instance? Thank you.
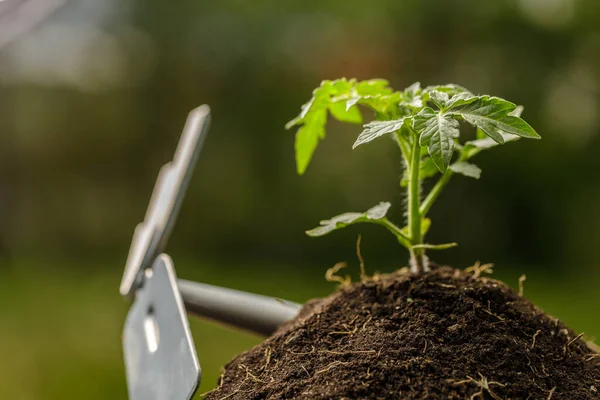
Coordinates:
(252, 312)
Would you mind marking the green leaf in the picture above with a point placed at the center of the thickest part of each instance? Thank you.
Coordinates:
(383, 105)
(517, 111)
(373, 87)
(492, 116)
(412, 96)
(376, 129)
(445, 102)
(451, 89)
(318, 101)
(307, 139)
(342, 86)
(428, 168)
(437, 131)
(466, 169)
(340, 98)
(479, 134)
(341, 113)
(460, 99)
(487, 142)
(425, 224)
(374, 214)
(351, 102)
(483, 142)
(373, 93)
(312, 120)
(379, 211)
(413, 89)
(440, 99)
(515, 126)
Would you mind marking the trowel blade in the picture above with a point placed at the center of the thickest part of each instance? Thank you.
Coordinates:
(160, 356)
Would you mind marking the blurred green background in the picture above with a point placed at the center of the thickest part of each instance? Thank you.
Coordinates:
(92, 102)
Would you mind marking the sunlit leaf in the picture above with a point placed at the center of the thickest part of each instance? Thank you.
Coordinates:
(307, 139)
(352, 101)
(373, 87)
(340, 98)
(382, 104)
(341, 113)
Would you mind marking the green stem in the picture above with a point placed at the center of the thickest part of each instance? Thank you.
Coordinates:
(418, 264)
(390, 226)
(443, 246)
(435, 192)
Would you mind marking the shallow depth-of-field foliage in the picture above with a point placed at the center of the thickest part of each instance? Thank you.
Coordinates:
(425, 123)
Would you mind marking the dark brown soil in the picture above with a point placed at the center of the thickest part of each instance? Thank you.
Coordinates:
(445, 335)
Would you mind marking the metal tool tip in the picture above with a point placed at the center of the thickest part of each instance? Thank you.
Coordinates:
(201, 111)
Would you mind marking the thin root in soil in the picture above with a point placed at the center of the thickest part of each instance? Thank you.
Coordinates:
(363, 274)
(534, 337)
(331, 276)
(484, 385)
(522, 279)
(477, 269)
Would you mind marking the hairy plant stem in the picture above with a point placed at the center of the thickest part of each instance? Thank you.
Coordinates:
(417, 255)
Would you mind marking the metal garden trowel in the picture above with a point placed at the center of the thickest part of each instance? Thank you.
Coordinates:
(160, 356)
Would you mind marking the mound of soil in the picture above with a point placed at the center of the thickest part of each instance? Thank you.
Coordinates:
(445, 335)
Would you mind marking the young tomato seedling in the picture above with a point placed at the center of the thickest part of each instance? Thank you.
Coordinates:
(424, 122)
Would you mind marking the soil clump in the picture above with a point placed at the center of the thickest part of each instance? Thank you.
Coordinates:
(447, 334)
